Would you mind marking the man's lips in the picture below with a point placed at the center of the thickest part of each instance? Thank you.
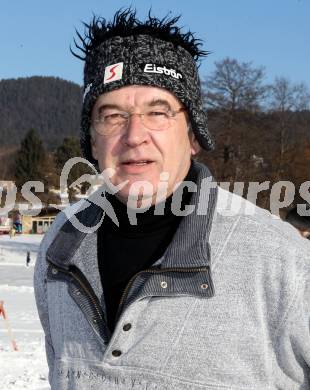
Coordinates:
(136, 166)
(137, 162)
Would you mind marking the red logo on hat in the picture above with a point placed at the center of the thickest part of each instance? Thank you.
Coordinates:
(113, 72)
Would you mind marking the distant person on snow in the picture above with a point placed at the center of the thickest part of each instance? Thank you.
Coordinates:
(28, 259)
(17, 223)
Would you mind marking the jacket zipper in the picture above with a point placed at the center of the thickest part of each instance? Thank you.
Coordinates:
(88, 292)
(153, 271)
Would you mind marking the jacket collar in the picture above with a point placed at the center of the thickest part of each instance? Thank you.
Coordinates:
(189, 248)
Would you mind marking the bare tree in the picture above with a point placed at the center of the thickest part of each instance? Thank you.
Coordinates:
(285, 98)
(234, 86)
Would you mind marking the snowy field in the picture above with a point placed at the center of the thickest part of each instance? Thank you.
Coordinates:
(27, 367)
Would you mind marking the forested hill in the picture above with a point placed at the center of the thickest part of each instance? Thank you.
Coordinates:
(48, 104)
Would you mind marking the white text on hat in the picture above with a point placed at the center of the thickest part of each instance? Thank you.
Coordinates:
(152, 68)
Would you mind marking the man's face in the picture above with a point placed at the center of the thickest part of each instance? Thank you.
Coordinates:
(138, 153)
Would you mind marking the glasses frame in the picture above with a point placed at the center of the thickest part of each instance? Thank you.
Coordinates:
(171, 114)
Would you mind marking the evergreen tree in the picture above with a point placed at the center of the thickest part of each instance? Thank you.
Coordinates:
(30, 159)
(68, 149)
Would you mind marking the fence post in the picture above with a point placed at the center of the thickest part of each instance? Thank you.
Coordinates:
(8, 326)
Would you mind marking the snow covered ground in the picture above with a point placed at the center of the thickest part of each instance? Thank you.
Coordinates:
(27, 367)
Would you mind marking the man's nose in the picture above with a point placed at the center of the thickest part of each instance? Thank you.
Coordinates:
(136, 133)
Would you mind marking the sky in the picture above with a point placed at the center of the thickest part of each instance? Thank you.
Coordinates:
(36, 34)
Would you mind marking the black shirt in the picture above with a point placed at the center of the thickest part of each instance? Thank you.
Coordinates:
(125, 250)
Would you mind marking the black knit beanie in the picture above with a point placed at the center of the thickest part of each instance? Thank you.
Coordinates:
(143, 60)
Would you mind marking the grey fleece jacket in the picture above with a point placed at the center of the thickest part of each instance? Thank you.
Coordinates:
(226, 307)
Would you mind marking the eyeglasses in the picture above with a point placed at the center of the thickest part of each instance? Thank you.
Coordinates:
(114, 122)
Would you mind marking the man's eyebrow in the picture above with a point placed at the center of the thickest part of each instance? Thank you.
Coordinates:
(103, 107)
(152, 103)
(159, 102)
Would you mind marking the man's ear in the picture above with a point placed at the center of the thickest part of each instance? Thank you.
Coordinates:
(195, 147)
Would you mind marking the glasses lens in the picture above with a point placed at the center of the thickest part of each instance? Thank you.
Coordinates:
(156, 120)
(111, 123)
(115, 119)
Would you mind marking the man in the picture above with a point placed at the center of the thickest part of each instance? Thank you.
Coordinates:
(187, 295)
(28, 259)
